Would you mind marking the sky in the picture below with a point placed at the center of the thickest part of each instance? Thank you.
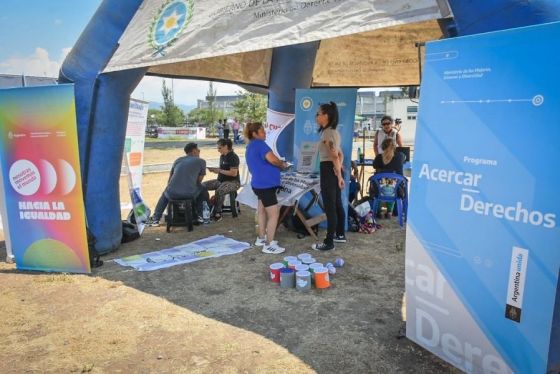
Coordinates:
(36, 36)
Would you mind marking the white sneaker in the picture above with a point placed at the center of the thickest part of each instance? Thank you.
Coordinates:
(273, 248)
(260, 242)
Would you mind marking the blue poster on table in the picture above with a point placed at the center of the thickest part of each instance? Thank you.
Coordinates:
(483, 243)
(306, 135)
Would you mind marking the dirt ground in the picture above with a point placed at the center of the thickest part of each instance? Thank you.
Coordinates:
(215, 315)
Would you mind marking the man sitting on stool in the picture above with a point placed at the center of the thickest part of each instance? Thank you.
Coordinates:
(184, 182)
(228, 176)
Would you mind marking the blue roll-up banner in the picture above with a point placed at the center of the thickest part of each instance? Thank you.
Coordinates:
(483, 244)
(306, 135)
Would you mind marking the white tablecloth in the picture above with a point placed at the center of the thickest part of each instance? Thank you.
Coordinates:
(294, 186)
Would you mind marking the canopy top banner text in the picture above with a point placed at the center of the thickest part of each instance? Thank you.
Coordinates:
(171, 31)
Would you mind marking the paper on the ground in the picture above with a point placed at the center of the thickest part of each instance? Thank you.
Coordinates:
(213, 246)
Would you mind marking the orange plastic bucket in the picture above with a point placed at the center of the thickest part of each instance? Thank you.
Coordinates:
(322, 279)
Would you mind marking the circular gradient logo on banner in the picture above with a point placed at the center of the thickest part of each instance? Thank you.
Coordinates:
(26, 178)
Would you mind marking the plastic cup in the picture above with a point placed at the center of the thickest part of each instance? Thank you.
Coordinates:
(288, 259)
(302, 267)
(275, 271)
(308, 260)
(314, 266)
(322, 279)
(287, 278)
(293, 263)
(303, 280)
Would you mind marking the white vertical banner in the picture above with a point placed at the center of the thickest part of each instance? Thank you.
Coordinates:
(134, 158)
(276, 122)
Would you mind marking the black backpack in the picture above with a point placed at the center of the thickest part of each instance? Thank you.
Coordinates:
(293, 223)
(129, 232)
(353, 219)
(94, 257)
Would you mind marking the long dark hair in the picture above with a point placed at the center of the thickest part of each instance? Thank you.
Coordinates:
(331, 110)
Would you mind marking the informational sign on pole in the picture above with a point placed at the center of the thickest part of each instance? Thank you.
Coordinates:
(483, 243)
(41, 179)
(134, 158)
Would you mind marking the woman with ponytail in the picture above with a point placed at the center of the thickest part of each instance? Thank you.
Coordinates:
(332, 178)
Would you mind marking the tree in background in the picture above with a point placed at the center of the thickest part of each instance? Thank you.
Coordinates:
(203, 117)
(154, 116)
(410, 92)
(251, 107)
(171, 115)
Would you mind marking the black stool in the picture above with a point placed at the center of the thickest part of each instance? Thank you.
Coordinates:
(180, 213)
(233, 204)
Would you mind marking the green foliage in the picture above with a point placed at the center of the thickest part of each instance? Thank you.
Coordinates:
(171, 115)
(203, 117)
(154, 117)
(251, 107)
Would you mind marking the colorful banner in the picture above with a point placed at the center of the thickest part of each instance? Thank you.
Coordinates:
(41, 178)
(306, 136)
(134, 158)
(483, 243)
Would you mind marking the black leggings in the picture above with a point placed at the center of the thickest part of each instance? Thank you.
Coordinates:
(332, 201)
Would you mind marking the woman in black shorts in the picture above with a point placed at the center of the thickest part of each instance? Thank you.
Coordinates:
(265, 181)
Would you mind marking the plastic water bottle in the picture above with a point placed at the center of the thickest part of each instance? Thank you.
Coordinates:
(205, 212)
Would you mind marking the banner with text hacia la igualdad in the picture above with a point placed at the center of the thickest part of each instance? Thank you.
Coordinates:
(41, 179)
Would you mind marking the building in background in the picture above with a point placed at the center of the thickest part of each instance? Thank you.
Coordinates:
(406, 109)
(369, 110)
(221, 103)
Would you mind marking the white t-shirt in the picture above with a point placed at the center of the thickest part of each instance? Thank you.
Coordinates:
(382, 135)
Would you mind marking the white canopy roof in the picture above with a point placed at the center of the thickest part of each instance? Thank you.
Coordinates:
(363, 42)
